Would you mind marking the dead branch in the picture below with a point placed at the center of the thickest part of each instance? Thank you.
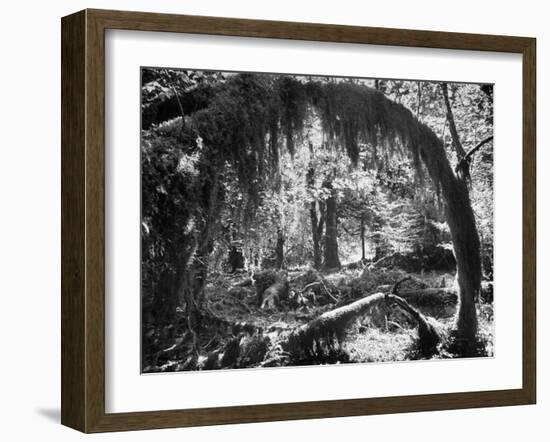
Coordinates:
(398, 283)
(327, 291)
(382, 261)
(466, 159)
(321, 284)
(311, 285)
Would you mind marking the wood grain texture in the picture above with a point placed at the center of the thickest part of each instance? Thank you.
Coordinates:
(529, 221)
(143, 21)
(83, 219)
(73, 128)
(95, 222)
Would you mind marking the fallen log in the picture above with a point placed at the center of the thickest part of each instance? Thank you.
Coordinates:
(335, 322)
(329, 330)
(324, 335)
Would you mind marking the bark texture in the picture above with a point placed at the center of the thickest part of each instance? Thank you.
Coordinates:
(461, 220)
(317, 220)
(331, 259)
(362, 234)
(317, 226)
(332, 326)
(280, 250)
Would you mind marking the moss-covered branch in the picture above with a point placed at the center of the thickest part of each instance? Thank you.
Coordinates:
(331, 327)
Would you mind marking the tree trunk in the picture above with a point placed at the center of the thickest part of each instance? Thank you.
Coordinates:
(461, 221)
(279, 250)
(317, 232)
(164, 302)
(167, 292)
(193, 277)
(362, 233)
(460, 218)
(236, 258)
(331, 259)
(192, 280)
(419, 100)
(460, 153)
(317, 222)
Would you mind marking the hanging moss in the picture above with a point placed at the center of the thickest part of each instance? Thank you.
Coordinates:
(251, 113)
(235, 127)
(294, 108)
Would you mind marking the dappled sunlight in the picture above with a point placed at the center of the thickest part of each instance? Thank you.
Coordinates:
(304, 220)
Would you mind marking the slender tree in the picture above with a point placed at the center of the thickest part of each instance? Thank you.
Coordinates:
(331, 259)
(316, 215)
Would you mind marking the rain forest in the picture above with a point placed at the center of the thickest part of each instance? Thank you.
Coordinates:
(291, 220)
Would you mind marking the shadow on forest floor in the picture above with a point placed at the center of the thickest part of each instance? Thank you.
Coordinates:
(382, 335)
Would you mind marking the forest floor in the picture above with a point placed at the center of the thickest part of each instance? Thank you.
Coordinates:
(383, 335)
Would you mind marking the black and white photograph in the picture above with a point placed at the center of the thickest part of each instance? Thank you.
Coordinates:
(274, 221)
(304, 220)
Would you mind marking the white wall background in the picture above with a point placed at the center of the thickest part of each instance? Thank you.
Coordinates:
(30, 217)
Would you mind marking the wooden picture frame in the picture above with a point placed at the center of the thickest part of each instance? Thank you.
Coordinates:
(83, 220)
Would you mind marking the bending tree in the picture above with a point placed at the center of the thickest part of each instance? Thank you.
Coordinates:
(353, 113)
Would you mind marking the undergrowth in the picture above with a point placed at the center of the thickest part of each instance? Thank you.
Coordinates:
(382, 335)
